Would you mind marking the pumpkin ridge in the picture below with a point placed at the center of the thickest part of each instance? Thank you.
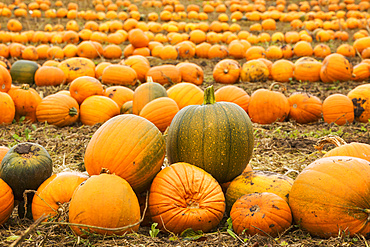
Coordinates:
(229, 132)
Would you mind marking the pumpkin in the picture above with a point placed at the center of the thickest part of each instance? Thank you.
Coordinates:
(165, 74)
(264, 214)
(7, 109)
(25, 100)
(23, 72)
(100, 68)
(85, 86)
(257, 182)
(160, 112)
(126, 108)
(361, 101)
(58, 109)
(361, 44)
(233, 94)
(219, 137)
(254, 71)
(49, 76)
(267, 106)
(329, 197)
(302, 49)
(338, 109)
(31, 162)
(119, 75)
(145, 93)
(140, 64)
(227, 71)
(140, 159)
(138, 38)
(119, 94)
(5, 80)
(191, 72)
(98, 109)
(353, 149)
(282, 70)
(6, 201)
(76, 67)
(307, 69)
(361, 71)
(185, 94)
(184, 196)
(3, 151)
(336, 67)
(54, 192)
(93, 204)
(304, 108)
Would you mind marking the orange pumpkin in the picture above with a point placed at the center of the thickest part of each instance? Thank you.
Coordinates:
(336, 67)
(76, 67)
(233, 94)
(7, 109)
(307, 69)
(140, 64)
(227, 71)
(5, 80)
(304, 107)
(119, 94)
(254, 71)
(282, 70)
(191, 72)
(85, 86)
(119, 75)
(165, 74)
(338, 109)
(185, 94)
(49, 76)
(97, 109)
(3, 151)
(361, 102)
(138, 38)
(6, 201)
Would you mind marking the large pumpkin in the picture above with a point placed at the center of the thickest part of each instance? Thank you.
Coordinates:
(6, 201)
(76, 67)
(128, 146)
(338, 109)
(304, 107)
(23, 72)
(217, 137)
(184, 196)
(140, 64)
(329, 197)
(49, 76)
(105, 200)
(191, 72)
(360, 97)
(25, 167)
(336, 67)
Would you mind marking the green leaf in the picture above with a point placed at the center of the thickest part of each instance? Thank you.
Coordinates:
(33, 127)
(231, 233)
(153, 232)
(190, 234)
(22, 119)
(174, 238)
(12, 238)
(229, 223)
(15, 136)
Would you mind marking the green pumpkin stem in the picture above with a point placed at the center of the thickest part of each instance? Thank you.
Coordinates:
(73, 111)
(209, 96)
(25, 87)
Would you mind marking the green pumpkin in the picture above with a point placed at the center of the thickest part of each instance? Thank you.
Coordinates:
(24, 167)
(23, 72)
(217, 137)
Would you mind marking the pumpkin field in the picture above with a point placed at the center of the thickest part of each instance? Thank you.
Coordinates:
(184, 123)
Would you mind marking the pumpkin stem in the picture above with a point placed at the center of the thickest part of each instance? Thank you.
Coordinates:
(329, 139)
(25, 87)
(209, 96)
(281, 86)
(226, 71)
(104, 171)
(73, 111)
(149, 79)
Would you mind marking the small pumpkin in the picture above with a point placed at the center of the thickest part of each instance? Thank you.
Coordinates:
(282, 70)
(119, 94)
(84, 87)
(140, 64)
(336, 67)
(254, 71)
(5, 80)
(227, 71)
(165, 74)
(185, 94)
(6, 202)
(97, 109)
(76, 67)
(307, 69)
(338, 109)
(191, 72)
(304, 107)
(126, 108)
(233, 94)
(116, 74)
(49, 76)
(23, 72)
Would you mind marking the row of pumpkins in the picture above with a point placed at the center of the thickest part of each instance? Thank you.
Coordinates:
(207, 147)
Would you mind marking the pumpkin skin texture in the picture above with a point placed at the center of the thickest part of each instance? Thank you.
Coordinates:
(54, 192)
(338, 109)
(257, 182)
(58, 109)
(227, 71)
(184, 196)
(191, 72)
(3, 151)
(23, 72)
(134, 150)
(84, 87)
(116, 74)
(97, 109)
(145, 93)
(336, 67)
(76, 67)
(119, 94)
(31, 162)
(93, 204)
(7, 109)
(186, 94)
(49, 76)
(254, 71)
(307, 69)
(233, 94)
(265, 211)
(165, 74)
(330, 196)
(219, 137)
(5, 80)
(304, 108)
(360, 97)
(25, 100)
(6, 201)
(126, 108)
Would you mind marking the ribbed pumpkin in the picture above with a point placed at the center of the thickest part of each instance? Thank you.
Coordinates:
(361, 44)
(84, 87)
(191, 72)
(7, 109)
(361, 72)
(76, 67)
(267, 106)
(6, 201)
(25, 100)
(307, 69)
(49, 76)
(140, 159)
(184, 196)
(264, 214)
(140, 64)
(119, 94)
(186, 94)
(336, 67)
(165, 74)
(257, 182)
(54, 192)
(160, 112)
(29, 161)
(23, 72)
(58, 109)
(329, 197)
(138, 38)
(227, 71)
(97, 109)
(116, 74)
(145, 93)
(360, 97)
(217, 137)
(5, 80)
(338, 109)
(304, 107)
(233, 94)
(94, 204)
(282, 70)
(254, 71)
(127, 108)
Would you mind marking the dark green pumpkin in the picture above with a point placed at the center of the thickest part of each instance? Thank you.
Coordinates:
(23, 72)
(217, 137)
(25, 167)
